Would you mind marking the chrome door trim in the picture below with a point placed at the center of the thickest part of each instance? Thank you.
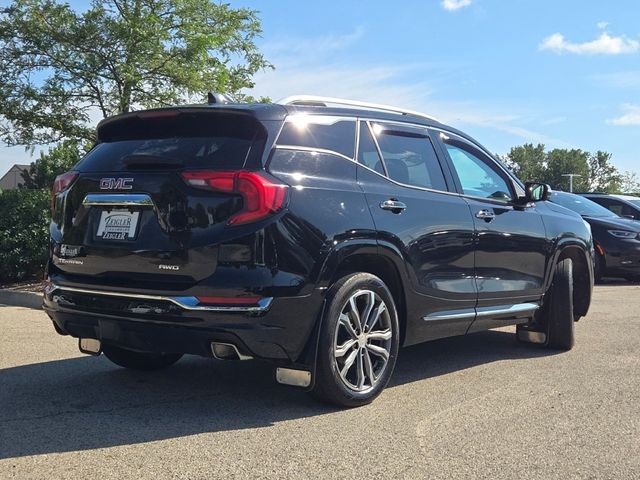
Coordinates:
(451, 315)
(185, 302)
(117, 200)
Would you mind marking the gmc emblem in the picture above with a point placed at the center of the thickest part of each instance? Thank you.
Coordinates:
(116, 183)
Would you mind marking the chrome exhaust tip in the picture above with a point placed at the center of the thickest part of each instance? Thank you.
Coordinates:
(90, 346)
(227, 351)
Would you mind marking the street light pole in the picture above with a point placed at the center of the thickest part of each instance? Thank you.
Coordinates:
(571, 175)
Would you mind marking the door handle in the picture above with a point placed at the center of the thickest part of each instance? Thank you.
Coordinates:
(486, 215)
(394, 205)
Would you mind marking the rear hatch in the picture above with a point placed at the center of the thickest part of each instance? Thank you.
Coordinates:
(132, 213)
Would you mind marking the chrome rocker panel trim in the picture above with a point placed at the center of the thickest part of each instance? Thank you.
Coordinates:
(480, 312)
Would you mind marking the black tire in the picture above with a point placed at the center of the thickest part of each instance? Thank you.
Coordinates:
(559, 310)
(139, 360)
(331, 382)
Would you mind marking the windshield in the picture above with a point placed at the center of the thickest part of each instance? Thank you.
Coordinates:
(580, 205)
(635, 202)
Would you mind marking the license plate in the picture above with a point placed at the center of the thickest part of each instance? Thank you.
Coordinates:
(117, 225)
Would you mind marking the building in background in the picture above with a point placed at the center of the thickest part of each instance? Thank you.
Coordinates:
(13, 178)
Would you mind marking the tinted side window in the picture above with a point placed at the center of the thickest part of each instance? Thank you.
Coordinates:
(410, 158)
(613, 205)
(367, 150)
(316, 131)
(476, 176)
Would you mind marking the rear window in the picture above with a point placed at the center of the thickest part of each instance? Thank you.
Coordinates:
(192, 141)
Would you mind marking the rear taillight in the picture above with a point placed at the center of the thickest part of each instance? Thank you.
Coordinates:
(60, 184)
(262, 197)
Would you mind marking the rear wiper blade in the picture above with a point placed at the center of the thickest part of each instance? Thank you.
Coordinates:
(150, 160)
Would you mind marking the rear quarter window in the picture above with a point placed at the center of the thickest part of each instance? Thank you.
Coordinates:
(321, 132)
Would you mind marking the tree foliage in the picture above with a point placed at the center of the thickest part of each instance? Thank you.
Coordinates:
(63, 68)
(534, 163)
(24, 233)
(57, 160)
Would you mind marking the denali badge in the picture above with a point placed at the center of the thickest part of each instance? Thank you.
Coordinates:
(116, 183)
(168, 267)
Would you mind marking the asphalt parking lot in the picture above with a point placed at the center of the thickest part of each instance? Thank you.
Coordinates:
(480, 406)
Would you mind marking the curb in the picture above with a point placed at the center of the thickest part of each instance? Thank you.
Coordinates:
(21, 299)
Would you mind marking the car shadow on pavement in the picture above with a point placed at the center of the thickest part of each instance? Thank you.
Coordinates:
(87, 403)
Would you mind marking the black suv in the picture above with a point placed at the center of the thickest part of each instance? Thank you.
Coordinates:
(318, 234)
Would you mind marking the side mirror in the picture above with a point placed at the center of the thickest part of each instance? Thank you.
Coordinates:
(536, 192)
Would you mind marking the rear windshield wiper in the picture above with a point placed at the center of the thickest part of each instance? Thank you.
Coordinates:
(146, 160)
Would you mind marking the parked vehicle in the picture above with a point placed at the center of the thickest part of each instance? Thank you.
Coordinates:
(318, 234)
(626, 206)
(616, 239)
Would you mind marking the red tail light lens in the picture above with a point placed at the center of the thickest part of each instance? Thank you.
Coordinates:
(60, 184)
(261, 196)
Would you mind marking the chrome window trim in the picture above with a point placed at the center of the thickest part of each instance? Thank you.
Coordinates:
(185, 302)
(117, 200)
(310, 149)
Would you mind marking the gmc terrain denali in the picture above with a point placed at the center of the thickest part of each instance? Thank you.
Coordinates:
(316, 233)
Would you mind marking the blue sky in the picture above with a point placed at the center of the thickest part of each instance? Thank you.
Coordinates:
(564, 73)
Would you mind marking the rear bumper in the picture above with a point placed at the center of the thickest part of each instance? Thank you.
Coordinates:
(278, 329)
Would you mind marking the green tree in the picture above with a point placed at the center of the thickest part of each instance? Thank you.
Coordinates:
(560, 162)
(603, 175)
(24, 233)
(62, 68)
(528, 161)
(629, 183)
(57, 160)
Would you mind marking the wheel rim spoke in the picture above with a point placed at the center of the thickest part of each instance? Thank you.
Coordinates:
(379, 335)
(378, 351)
(348, 363)
(376, 315)
(371, 301)
(363, 340)
(355, 315)
(346, 322)
(368, 366)
(342, 350)
(360, 370)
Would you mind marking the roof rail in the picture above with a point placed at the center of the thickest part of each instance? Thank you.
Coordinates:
(319, 101)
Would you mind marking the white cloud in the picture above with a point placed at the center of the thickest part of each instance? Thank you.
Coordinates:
(602, 25)
(452, 5)
(324, 71)
(605, 44)
(631, 116)
(293, 47)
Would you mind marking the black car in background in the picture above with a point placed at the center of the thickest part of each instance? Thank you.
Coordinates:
(626, 206)
(616, 239)
(317, 234)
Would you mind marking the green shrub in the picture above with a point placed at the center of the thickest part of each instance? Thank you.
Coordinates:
(24, 233)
